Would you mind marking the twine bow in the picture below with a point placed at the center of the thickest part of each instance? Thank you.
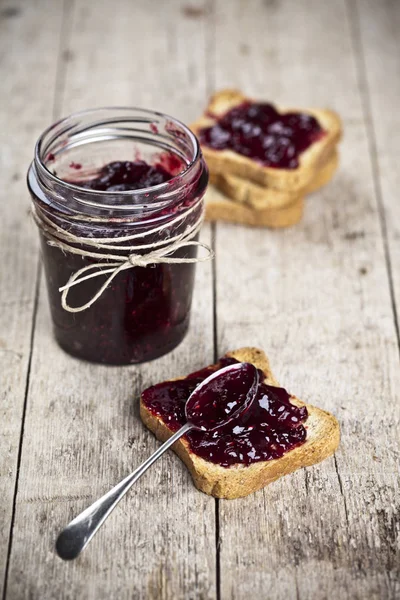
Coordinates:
(160, 252)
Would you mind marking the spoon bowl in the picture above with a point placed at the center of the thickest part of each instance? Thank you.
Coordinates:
(222, 397)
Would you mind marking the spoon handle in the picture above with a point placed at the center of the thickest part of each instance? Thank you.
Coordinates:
(75, 537)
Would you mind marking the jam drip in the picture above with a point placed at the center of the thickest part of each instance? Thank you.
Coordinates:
(270, 427)
(124, 176)
(258, 131)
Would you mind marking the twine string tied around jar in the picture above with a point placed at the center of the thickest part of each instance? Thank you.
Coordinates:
(160, 251)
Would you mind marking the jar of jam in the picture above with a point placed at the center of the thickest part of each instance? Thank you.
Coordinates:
(118, 200)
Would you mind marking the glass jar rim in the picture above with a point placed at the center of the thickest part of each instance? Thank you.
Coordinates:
(163, 191)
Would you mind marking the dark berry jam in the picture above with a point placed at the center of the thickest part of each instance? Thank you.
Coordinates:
(223, 397)
(145, 311)
(258, 131)
(269, 428)
(123, 176)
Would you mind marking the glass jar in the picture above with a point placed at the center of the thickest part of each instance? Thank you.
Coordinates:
(143, 311)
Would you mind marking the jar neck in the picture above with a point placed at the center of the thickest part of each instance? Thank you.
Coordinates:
(94, 138)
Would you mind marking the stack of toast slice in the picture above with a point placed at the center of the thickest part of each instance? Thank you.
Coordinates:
(244, 190)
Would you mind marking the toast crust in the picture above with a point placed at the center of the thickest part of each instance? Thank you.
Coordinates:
(220, 208)
(257, 197)
(234, 200)
(323, 436)
(228, 161)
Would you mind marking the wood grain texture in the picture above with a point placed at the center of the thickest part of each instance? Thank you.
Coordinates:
(320, 306)
(83, 431)
(376, 37)
(317, 298)
(25, 106)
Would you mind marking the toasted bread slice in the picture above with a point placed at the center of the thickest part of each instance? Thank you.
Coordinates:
(255, 196)
(230, 162)
(238, 480)
(247, 203)
(221, 208)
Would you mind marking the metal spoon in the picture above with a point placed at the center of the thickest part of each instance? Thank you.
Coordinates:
(200, 414)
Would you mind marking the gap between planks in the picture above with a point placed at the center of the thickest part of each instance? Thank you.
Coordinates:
(215, 341)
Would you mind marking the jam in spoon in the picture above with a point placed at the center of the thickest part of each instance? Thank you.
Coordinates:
(217, 400)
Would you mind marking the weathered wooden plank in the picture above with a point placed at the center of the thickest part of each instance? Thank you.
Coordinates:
(82, 430)
(320, 306)
(25, 102)
(376, 32)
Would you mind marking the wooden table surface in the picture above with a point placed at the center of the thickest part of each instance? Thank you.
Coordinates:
(320, 298)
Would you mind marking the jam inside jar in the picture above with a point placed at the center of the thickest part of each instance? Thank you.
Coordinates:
(153, 196)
